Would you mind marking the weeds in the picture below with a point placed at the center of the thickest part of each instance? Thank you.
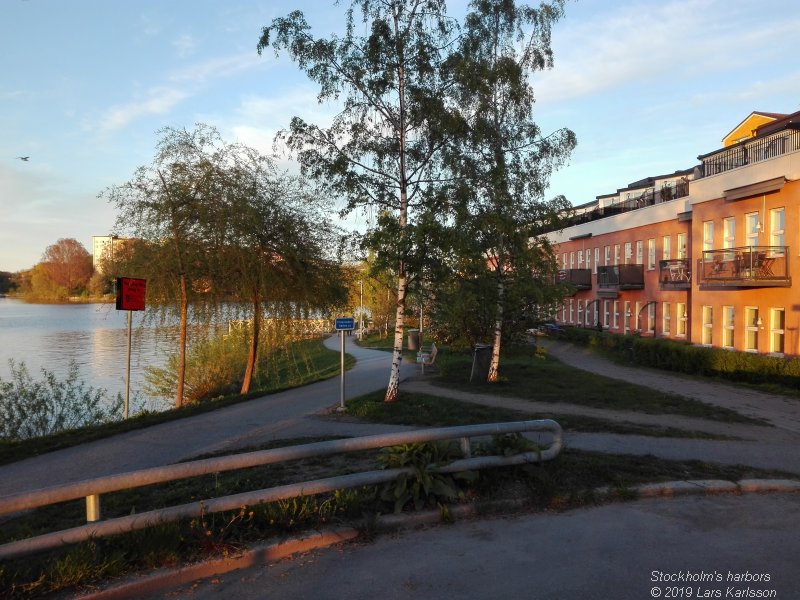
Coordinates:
(30, 409)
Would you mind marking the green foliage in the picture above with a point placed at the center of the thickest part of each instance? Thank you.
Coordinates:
(30, 408)
(684, 357)
(507, 444)
(423, 486)
(215, 365)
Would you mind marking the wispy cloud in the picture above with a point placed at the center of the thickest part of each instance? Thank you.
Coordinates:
(157, 101)
(217, 68)
(185, 45)
(652, 42)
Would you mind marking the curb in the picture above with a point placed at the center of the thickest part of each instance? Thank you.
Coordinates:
(268, 553)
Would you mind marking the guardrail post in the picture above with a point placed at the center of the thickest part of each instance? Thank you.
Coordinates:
(466, 448)
(93, 508)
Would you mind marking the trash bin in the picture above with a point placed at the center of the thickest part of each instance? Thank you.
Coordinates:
(413, 339)
(481, 361)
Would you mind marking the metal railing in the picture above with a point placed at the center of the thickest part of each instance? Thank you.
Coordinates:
(623, 277)
(93, 488)
(642, 199)
(745, 265)
(749, 152)
(675, 273)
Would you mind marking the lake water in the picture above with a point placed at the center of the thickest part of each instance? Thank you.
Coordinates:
(95, 336)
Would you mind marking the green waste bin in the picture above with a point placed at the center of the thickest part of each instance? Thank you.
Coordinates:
(481, 361)
(413, 339)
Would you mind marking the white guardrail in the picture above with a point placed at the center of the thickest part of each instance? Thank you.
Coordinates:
(92, 489)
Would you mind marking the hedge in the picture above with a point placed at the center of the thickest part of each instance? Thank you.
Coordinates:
(684, 357)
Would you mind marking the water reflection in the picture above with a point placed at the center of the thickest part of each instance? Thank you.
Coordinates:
(93, 335)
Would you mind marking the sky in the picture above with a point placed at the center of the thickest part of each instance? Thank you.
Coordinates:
(85, 85)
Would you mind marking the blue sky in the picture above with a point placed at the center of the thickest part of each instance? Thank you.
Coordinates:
(646, 86)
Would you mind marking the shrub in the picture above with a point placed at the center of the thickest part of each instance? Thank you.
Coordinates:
(31, 408)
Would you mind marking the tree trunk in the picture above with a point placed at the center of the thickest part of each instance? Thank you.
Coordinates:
(393, 389)
(253, 352)
(184, 318)
(494, 366)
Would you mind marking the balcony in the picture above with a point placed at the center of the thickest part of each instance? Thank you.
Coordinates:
(745, 266)
(749, 152)
(674, 274)
(580, 279)
(649, 197)
(620, 277)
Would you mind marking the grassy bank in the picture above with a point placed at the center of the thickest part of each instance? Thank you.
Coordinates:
(318, 363)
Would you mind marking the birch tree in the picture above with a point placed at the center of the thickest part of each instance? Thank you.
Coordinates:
(502, 159)
(383, 147)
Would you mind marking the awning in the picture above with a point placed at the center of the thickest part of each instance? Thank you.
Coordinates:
(755, 189)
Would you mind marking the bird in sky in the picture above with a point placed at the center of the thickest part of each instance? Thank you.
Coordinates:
(24, 158)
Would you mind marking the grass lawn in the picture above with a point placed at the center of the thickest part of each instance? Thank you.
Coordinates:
(538, 376)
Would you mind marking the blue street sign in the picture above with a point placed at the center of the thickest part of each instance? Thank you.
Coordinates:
(345, 323)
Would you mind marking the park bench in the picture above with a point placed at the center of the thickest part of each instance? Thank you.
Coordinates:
(427, 358)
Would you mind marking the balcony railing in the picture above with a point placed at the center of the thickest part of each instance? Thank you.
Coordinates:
(745, 266)
(675, 273)
(621, 277)
(642, 200)
(580, 279)
(746, 153)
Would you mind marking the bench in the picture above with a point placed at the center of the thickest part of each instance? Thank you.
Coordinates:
(427, 358)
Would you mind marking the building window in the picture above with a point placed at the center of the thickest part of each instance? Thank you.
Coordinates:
(729, 232)
(571, 310)
(682, 250)
(616, 254)
(607, 251)
(708, 324)
(571, 260)
(776, 221)
(753, 228)
(751, 325)
(606, 315)
(776, 330)
(628, 252)
(639, 252)
(564, 313)
(666, 318)
(588, 258)
(680, 328)
(708, 235)
(616, 314)
(666, 249)
(728, 326)
(580, 259)
(564, 261)
(651, 253)
(580, 312)
(596, 259)
(626, 318)
(651, 318)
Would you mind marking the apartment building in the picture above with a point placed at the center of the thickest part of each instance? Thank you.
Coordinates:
(103, 249)
(703, 254)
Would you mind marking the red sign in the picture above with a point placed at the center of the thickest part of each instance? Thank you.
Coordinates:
(131, 293)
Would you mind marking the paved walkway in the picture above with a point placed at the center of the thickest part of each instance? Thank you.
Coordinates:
(304, 412)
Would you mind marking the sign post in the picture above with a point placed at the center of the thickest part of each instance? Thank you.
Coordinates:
(343, 324)
(131, 293)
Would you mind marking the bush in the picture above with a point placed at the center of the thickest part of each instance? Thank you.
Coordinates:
(31, 408)
(683, 357)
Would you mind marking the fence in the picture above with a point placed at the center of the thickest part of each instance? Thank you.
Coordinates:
(93, 488)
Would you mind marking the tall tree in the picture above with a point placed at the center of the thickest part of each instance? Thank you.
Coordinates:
(68, 265)
(383, 148)
(501, 158)
(165, 206)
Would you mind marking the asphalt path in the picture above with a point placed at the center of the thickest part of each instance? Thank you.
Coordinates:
(259, 420)
(680, 547)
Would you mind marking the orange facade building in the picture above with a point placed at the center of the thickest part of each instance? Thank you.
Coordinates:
(707, 255)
